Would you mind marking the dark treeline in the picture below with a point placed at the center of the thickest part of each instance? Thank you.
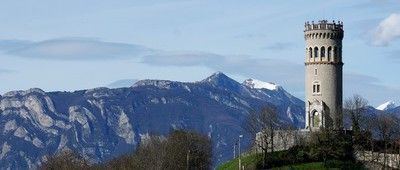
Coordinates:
(179, 150)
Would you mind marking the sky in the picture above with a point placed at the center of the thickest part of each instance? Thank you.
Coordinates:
(71, 45)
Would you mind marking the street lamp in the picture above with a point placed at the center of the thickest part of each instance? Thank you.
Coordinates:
(234, 150)
(240, 163)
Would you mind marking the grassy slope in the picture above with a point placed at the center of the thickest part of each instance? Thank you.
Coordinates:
(248, 161)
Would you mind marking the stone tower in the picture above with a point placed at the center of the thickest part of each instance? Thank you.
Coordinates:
(323, 75)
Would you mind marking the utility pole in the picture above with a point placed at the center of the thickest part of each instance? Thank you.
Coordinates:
(240, 162)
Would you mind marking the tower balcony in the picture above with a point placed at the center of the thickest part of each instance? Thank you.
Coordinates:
(323, 25)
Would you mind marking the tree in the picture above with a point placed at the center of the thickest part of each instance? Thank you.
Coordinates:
(263, 125)
(387, 126)
(65, 160)
(179, 150)
(187, 150)
(286, 134)
(331, 144)
(149, 155)
(354, 108)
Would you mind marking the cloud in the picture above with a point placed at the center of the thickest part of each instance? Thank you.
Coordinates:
(72, 49)
(279, 71)
(387, 30)
(4, 71)
(183, 59)
(7, 45)
(279, 46)
(369, 87)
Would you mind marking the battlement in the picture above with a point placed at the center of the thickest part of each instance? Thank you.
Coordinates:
(323, 25)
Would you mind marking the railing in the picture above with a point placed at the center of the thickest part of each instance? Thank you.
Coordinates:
(323, 25)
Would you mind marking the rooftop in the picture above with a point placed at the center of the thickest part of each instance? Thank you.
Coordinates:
(323, 25)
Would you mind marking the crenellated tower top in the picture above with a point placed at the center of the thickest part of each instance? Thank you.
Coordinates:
(323, 25)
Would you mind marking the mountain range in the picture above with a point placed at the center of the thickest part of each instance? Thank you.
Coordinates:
(103, 123)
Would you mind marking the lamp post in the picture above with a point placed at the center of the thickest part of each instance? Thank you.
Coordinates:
(240, 163)
(234, 150)
(187, 159)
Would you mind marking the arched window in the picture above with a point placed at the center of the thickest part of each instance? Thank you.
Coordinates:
(315, 118)
(329, 53)
(322, 51)
(335, 53)
(310, 52)
(316, 52)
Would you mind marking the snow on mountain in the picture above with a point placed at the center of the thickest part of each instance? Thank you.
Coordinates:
(122, 83)
(386, 106)
(103, 123)
(257, 84)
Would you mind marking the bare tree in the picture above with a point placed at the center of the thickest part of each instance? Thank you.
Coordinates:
(187, 150)
(354, 108)
(286, 135)
(149, 155)
(262, 125)
(387, 126)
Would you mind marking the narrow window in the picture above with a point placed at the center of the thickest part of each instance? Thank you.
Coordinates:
(329, 53)
(322, 51)
(315, 72)
(316, 52)
(310, 52)
(335, 52)
(316, 88)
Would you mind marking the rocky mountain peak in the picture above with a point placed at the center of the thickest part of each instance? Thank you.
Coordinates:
(220, 79)
(24, 92)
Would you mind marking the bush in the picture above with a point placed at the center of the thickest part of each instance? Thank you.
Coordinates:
(65, 160)
(179, 150)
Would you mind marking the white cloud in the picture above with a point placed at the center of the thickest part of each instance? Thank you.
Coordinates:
(72, 49)
(387, 30)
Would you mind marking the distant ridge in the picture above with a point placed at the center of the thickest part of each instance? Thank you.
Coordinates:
(102, 123)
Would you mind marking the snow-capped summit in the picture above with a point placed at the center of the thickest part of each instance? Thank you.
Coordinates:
(386, 106)
(257, 84)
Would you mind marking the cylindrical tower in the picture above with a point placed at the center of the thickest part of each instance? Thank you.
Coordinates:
(323, 75)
